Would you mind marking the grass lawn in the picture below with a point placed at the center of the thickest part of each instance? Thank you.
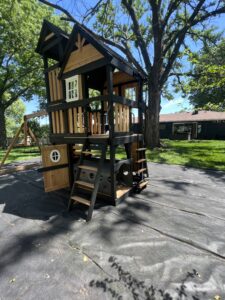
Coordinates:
(21, 153)
(199, 154)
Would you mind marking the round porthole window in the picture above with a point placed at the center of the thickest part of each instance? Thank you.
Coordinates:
(55, 156)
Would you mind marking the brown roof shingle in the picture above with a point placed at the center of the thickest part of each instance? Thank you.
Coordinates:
(202, 115)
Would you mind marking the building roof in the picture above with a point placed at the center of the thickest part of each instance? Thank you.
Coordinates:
(202, 115)
(66, 42)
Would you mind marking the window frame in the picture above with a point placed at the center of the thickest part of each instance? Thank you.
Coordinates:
(74, 82)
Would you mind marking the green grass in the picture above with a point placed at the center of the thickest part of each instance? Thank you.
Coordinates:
(198, 154)
(21, 153)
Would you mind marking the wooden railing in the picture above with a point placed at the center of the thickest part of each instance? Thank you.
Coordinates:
(75, 114)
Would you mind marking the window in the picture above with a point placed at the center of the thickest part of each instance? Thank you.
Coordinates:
(72, 88)
(180, 128)
(162, 126)
(130, 93)
(55, 156)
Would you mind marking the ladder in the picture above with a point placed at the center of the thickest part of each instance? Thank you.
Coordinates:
(79, 184)
(142, 169)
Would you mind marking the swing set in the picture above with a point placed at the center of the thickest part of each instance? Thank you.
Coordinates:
(27, 131)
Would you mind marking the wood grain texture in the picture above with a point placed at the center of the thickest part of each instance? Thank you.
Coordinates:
(55, 179)
(81, 57)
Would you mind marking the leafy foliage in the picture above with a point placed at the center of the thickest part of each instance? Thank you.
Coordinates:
(14, 117)
(21, 69)
(207, 86)
(40, 131)
(153, 35)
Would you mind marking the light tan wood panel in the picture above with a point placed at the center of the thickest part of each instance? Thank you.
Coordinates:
(61, 120)
(55, 179)
(70, 120)
(55, 85)
(75, 119)
(80, 119)
(81, 57)
(53, 123)
(99, 122)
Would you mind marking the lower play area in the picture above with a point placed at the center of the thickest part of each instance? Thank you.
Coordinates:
(166, 242)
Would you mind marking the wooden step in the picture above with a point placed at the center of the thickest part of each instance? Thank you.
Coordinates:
(85, 184)
(85, 167)
(141, 149)
(81, 200)
(142, 184)
(140, 160)
(141, 170)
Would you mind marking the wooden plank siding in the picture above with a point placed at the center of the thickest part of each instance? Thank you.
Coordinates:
(122, 118)
(76, 120)
(55, 179)
(58, 122)
(81, 57)
(55, 85)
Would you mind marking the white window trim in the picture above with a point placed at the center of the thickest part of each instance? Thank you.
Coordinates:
(68, 81)
(52, 156)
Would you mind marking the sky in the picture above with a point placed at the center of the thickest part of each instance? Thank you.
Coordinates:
(171, 106)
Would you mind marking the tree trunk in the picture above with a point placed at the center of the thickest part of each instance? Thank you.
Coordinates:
(152, 118)
(3, 137)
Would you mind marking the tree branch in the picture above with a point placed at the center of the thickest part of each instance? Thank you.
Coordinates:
(60, 8)
(137, 32)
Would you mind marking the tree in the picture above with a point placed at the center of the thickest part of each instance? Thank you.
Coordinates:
(153, 35)
(14, 117)
(21, 69)
(206, 88)
(40, 131)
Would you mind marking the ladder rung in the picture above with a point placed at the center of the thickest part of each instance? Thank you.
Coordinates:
(141, 149)
(142, 184)
(85, 184)
(81, 200)
(140, 160)
(85, 167)
(87, 152)
(141, 170)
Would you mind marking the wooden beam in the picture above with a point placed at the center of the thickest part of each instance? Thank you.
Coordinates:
(36, 114)
(11, 145)
(34, 138)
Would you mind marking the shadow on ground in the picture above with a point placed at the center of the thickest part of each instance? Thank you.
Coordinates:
(138, 290)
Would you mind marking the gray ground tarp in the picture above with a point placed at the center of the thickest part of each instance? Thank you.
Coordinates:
(166, 243)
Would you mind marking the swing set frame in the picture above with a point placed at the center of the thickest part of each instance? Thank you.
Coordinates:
(26, 131)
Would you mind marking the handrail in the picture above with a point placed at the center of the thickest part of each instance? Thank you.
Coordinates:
(61, 105)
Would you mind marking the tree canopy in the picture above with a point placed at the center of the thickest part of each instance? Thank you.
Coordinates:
(206, 87)
(14, 117)
(21, 69)
(154, 36)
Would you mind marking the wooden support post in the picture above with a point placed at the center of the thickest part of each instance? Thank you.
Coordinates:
(25, 130)
(34, 138)
(11, 145)
(140, 106)
(102, 115)
(70, 162)
(45, 59)
(111, 130)
(86, 110)
(110, 101)
(128, 150)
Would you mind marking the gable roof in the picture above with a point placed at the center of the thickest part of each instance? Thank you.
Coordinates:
(202, 115)
(67, 42)
(59, 39)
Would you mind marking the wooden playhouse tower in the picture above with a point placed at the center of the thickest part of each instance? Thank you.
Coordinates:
(93, 95)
